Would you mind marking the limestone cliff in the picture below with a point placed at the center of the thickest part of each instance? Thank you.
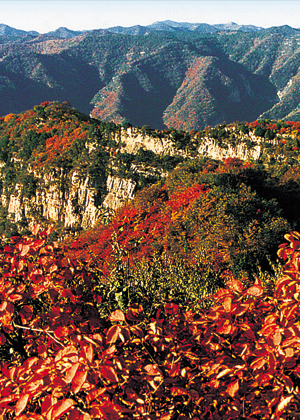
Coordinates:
(133, 139)
(72, 199)
(211, 148)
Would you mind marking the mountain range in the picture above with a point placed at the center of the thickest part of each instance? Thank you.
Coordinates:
(168, 74)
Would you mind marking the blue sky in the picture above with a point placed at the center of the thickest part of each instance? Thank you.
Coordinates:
(44, 16)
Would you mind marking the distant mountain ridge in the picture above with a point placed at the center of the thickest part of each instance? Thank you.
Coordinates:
(167, 25)
(168, 74)
(7, 30)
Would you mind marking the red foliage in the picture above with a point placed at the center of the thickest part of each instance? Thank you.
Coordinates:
(134, 231)
(237, 360)
(253, 124)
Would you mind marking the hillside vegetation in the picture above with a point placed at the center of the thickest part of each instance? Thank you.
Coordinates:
(175, 305)
(163, 76)
(56, 158)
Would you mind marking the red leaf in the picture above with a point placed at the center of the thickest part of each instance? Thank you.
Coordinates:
(26, 312)
(74, 414)
(42, 350)
(61, 332)
(277, 337)
(14, 297)
(227, 303)
(53, 268)
(225, 327)
(282, 405)
(21, 404)
(113, 334)
(241, 309)
(223, 373)
(166, 416)
(68, 294)
(24, 250)
(70, 373)
(233, 388)
(171, 308)
(176, 391)
(109, 352)
(2, 339)
(30, 362)
(67, 351)
(88, 352)
(254, 291)
(36, 229)
(109, 373)
(289, 352)
(235, 285)
(3, 306)
(109, 411)
(78, 381)
(117, 316)
(84, 416)
(48, 402)
(135, 313)
(258, 363)
(61, 408)
(33, 386)
(153, 370)
(93, 395)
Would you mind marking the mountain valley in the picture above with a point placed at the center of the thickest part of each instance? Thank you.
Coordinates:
(169, 75)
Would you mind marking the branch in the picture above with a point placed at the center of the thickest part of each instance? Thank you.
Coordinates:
(42, 331)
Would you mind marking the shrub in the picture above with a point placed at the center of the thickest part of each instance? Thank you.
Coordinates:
(236, 359)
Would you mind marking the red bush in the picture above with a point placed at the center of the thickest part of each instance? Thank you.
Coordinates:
(238, 360)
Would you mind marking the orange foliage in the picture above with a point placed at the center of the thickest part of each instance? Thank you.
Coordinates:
(8, 117)
(237, 359)
(138, 232)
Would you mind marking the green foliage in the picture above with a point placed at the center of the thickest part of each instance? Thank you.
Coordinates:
(145, 156)
(237, 224)
(151, 284)
(29, 184)
(244, 129)
(4, 149)
(259, 131)
(181, 139)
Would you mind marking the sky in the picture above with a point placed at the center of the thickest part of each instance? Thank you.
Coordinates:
(44, 16)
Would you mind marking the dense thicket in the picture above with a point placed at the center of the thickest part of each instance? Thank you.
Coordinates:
(62, 359)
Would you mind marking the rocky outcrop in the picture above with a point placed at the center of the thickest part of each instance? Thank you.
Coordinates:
(211, 148)
(73, 208)
(133, 139)
(119, 192)
(72, 199)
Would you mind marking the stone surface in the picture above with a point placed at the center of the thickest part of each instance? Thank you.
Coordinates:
(71, 200)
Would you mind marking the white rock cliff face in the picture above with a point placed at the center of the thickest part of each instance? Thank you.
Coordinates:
(212, 149)
(133, 139)
(119, 192)
(74, 206)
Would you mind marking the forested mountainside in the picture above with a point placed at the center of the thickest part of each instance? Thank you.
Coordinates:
(63, 167)
(160, 298)
(181, 76)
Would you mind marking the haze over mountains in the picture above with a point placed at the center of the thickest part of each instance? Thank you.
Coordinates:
(168, 74)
